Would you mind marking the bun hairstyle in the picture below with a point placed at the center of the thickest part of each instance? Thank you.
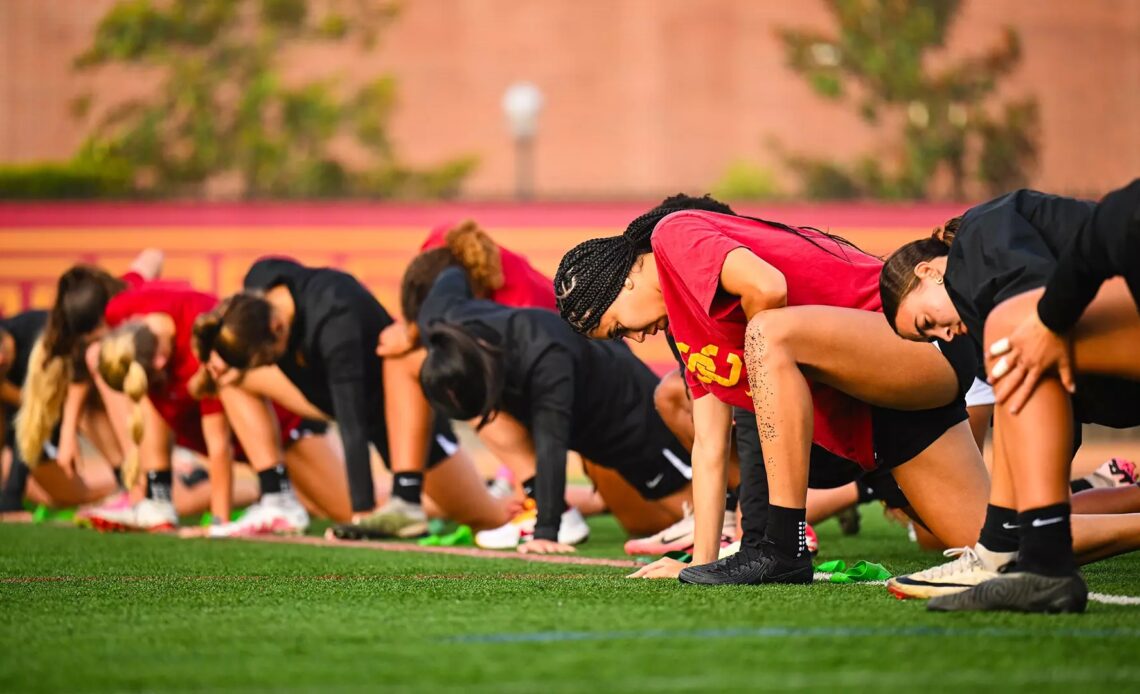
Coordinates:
(466, 246)
(462, 376)
(897, 279)
(240, 331)
(123, 356)
(42, 397)
(591, 274)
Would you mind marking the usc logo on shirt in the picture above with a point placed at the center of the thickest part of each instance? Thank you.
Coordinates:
(703, 364)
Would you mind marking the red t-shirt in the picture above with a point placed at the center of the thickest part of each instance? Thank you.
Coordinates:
(523, 286)
(708, 325)
(171, 398)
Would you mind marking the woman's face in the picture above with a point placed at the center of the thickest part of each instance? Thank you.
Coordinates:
(639, 309)
(927, 313)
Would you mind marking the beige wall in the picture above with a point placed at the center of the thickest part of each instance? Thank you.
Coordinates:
(643, 96)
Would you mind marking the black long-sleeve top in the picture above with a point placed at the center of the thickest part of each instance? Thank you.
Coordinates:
(1007, 246)
(25, 328)
(571, 393)
(1107, 245)
(331, 355)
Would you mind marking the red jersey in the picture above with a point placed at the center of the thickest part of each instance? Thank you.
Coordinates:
(708, 325)
(171, 398)
(523, 286)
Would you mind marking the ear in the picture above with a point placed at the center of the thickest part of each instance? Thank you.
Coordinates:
(926, 271)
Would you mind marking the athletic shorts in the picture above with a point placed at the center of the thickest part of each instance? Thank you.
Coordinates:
(444, 443)
(664, 469)
(1110, 401)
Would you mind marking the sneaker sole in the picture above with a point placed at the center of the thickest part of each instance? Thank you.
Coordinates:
(106, 526)
(660, 548)
(1015, 596)
(356, 532)
(797, 577)
(904, 591)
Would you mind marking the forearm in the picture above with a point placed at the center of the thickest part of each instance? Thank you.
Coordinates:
(219, 463)
(709, 483)
(9, 394)
(550, 445)
(350, 407)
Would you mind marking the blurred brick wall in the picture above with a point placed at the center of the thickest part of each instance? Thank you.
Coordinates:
(643, 96)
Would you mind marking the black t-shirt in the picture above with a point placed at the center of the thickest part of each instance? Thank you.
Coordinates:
(24, 328)
(1008, 246)
(331, 356)
(571, 393)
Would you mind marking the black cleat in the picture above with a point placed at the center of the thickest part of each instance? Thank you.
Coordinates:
(751, 566)
(1018, 591)
(849, 520)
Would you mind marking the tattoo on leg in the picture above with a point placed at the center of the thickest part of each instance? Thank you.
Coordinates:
(755, 353)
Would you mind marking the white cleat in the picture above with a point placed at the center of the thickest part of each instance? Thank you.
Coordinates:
(274, 514)
(969, 567)
(148, 515)
(573, 529)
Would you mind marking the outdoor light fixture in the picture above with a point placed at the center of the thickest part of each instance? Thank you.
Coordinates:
(522, 103)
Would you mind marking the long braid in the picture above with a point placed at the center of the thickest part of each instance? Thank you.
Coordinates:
(590, 276)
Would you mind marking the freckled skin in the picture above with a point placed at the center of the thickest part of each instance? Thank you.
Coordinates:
(755, 348)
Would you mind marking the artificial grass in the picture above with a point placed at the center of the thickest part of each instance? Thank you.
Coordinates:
(159, 613)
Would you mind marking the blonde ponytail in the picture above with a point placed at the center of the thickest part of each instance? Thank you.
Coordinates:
(45, 389)
(121, 369)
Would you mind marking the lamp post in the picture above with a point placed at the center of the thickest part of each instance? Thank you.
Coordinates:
(522, 103)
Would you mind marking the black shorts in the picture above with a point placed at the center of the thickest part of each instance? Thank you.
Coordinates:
(444, 443)
(1110, 401)
(664, 469)
(306, 428)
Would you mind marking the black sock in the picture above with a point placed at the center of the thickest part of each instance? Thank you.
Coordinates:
(1080, 485)
(158, 484)
(274, 480)
(787, 529)
(12, 496)
(999, 534)
(408, 486)
(731, 500)
(528, 488)
(1046, 540)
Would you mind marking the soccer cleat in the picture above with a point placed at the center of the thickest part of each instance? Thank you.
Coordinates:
(572, 530)
(1114, 472)
(850, 520)
(968, 567)
(751, 566)
(397, 518)
(115, 501)
(1018, 591)
(148, 515)
(274, 514)
(678, 536)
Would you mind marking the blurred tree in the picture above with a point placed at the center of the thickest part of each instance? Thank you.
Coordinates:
(223, 110)
(880, 59)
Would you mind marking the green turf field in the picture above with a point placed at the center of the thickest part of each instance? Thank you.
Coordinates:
(159, 613)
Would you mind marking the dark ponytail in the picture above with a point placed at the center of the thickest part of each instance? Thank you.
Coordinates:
(897, 278)
(81, 298)
(591, 274)
(462, 375)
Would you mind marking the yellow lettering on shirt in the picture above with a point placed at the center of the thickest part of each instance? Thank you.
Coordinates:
(703, 364)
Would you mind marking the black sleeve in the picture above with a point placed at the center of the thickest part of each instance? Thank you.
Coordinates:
(344, 353)
(550, 390)
(261, 275)
(1107, 246)
(449, 289)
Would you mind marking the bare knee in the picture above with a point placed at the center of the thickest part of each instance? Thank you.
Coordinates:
(1009, 314)
(769, 339)
(670, 396)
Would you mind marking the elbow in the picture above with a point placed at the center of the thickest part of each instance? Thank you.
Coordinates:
(774, 295)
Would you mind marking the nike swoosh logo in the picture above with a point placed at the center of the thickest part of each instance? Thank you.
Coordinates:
(404, 482)
(655, 481)
(1042, 522)
(1010, 526)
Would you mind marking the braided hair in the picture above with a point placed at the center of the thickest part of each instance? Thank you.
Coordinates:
(591, 275)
